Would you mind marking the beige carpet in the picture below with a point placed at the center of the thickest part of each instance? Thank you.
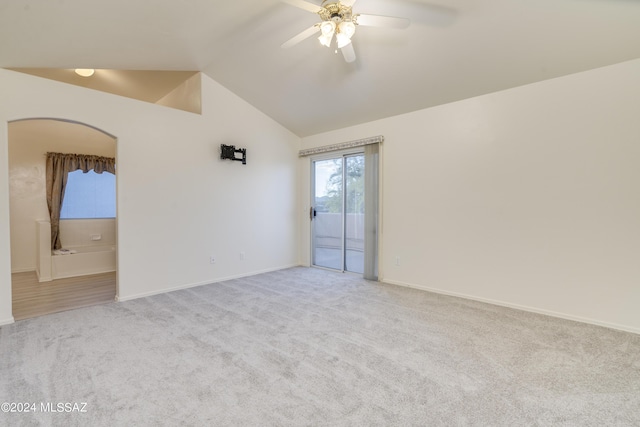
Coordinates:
(307, 347)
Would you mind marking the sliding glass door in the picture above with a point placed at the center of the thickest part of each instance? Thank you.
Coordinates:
(354, 213)
(337, 212)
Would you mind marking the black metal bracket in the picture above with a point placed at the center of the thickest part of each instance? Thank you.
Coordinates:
(230, 151)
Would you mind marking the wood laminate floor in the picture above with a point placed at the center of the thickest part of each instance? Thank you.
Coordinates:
(32, 298)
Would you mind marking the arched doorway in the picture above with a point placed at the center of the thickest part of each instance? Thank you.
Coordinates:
(45, 282)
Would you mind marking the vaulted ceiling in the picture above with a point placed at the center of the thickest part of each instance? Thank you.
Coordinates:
(453, 49)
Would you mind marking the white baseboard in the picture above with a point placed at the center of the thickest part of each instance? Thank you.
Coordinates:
(206, 282)
(8, 321)
(22, 270)
(551, 313)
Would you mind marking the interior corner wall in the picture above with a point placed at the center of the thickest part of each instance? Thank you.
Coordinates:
(187, 96)
(178, 203)
(527, 198)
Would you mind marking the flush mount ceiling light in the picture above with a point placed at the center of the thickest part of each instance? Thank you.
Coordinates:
(85, 72)
(338, 20)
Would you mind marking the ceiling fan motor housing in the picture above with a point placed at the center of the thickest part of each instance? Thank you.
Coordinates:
(335, 12)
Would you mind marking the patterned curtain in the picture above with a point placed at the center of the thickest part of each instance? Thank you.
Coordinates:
(58, 167)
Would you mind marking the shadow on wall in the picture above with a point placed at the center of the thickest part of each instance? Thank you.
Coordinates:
(29, 141)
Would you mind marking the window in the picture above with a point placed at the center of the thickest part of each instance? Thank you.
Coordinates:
(89, 195)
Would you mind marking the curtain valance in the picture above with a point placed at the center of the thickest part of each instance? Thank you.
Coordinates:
(341, 146)
(70, 162)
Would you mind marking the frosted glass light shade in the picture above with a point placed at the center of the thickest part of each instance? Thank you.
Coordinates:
(85, 72)
(342, 40)
(325, 40)
(328, 28)
(347, 28)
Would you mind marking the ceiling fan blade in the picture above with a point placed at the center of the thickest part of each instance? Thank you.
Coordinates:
(305, 5)
(348, 53)
(382, 21)
(302, 36)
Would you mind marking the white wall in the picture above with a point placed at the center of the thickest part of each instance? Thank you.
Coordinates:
(178, 203)
(29, 141)
(528, 197)
(5, 246)
(186, 96)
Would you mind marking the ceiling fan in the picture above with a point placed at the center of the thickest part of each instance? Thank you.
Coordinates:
(337, 19)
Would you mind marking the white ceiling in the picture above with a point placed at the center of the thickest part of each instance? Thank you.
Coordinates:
(453, 49)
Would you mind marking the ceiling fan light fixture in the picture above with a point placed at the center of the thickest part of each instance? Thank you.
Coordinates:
(327, 29)
(325, 41)
(347, 28)
(337, 19)
(85, 72)
(342, 40)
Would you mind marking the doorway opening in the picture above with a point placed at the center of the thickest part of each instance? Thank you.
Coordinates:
(83, 272)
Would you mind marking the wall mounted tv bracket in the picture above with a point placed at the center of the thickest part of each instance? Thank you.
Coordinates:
(230, 152)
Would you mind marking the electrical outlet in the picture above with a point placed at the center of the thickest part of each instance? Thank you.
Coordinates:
(397, 261)
(241, 256)
(212, 259)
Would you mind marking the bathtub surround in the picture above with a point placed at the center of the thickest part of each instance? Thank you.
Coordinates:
(312, 347)
(84, 261)
(81, 259)
(89, 248)
(88, 232)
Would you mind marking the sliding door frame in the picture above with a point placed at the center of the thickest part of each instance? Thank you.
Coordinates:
(343, 155)
(338, 154)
